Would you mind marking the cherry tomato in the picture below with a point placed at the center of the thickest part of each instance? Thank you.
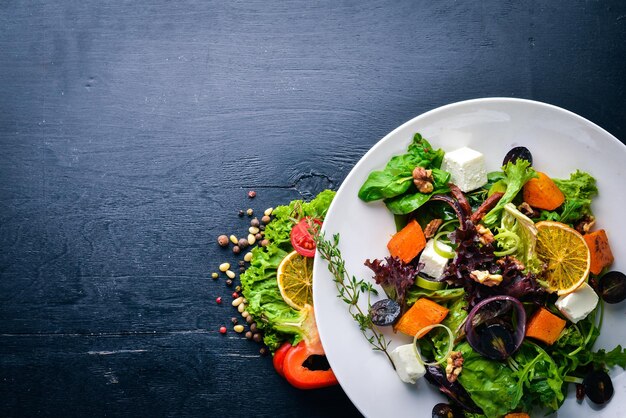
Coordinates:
(301, 238)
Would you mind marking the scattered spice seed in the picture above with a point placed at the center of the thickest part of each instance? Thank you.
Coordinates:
(234, 320)
(230, 274)
(258, 237)
(237, 301)
(248, 257)
(245, 314)
(250, 212)
(268, 211)
(236, 249)
(264, 351)
(229, 282)
(222, 330)
(264, 243)
(241, 308)
(241, 263)
(251, 194)
(238, 328)
(222, 240)
(266, 219)
(257, 337)
(253, 230)
(242, 269)
(218, 300)
(249, 335)
(243, 243)
(233, 239)
(251, 239)
(224, 267)
(235, 295)
(249, 319)
(240, 213)
(262, 227)
(253, 327)
(255, 223)
(238, 288)
(215, 275)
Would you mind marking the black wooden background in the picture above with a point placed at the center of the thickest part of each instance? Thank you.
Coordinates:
(131, 131)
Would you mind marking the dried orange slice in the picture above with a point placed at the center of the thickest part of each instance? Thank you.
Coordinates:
(566, 255)
(295, 279)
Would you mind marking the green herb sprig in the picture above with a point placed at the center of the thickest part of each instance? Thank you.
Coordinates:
(350, 289)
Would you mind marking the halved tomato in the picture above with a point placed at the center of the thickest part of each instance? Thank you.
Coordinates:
(301, 238)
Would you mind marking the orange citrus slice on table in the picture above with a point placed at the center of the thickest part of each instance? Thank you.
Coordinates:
(566, 255)
(295, 279)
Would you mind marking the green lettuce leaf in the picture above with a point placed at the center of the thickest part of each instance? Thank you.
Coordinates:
(515, 222)
(515, 176)
(397, 176)
(258, 283)
(579, 189)
(490, 384)
(539, 381)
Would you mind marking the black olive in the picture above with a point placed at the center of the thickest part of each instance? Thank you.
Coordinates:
(612, 287)
(598, 386)
(517, 153)
(496, 342)
(385, 312)
(444, 410)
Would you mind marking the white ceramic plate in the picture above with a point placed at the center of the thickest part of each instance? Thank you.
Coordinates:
(560, 142)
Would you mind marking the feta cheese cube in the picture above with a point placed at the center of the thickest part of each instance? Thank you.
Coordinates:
(434, 264)
(578, 304)
(466, 167)
(408, 367)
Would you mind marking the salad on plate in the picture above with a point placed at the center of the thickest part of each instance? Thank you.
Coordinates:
(499, 278)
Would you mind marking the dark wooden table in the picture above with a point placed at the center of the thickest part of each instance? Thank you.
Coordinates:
(130, 133)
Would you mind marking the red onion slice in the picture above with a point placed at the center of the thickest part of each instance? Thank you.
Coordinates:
(474, 339)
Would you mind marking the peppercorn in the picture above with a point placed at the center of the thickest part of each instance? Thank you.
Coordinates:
(251, 194)
(255, 222)
(238, 289)
(242, 269)
(266, 219)
(243, 243)
(236, 249)
(253, 327)
(264, 351)
(222, 330)
(229, 282)
(262, 228)
(235, 295)
(249, 319)
(249, 335)
(250, 212)
(264, 243)
(215, 276)
(241, 263)
(257, 337)
(218, 300)
(258, 237)
(240, 213)
(222, 240)
(234, 320)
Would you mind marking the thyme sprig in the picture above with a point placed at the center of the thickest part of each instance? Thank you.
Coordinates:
(350, 289)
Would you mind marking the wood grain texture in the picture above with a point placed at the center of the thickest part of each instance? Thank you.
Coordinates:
(130, 133)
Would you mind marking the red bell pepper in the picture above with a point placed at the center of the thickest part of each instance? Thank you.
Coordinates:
(279, 358)
(289, 360)
(302, 377)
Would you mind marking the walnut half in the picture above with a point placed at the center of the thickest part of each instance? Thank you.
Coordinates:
(454, 366)
(432, 228)
(423, 179)
(486, 278)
